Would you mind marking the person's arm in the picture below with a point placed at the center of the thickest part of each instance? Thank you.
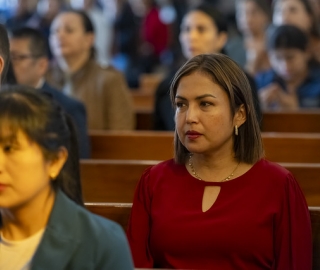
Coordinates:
(292, 230)
(138, 231)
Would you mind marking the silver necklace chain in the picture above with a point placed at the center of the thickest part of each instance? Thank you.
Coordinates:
(199, 178)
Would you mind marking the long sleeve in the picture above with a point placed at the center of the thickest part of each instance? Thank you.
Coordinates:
(293, 237)
(139, 224)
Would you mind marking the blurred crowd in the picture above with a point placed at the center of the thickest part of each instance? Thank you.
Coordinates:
(276, 42)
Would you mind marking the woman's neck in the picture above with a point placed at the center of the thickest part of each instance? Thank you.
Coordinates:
(73, 63)
(24, 221)
(214, 166)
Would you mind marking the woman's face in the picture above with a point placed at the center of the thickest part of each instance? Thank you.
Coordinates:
(24, 172)
(68, 36)
(199, 35)
(251, 18)
(204, 121)
(292, 12)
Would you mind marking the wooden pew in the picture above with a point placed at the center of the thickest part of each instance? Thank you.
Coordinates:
(116, 180)
(158, 145)
(292, 147)
(302, 121)
(148, 83)
(145, 145)
(120, 213)
(111, 180)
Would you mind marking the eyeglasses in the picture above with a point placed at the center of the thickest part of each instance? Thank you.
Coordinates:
(21, 57)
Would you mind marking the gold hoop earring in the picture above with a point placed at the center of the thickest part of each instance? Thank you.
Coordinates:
(236, 130)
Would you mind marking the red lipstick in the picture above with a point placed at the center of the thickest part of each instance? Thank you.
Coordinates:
(2, 187)
(192, 135)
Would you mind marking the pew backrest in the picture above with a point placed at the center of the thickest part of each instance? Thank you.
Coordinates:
(111, 180)
(116, 180)
(155, 145)
(302, 121)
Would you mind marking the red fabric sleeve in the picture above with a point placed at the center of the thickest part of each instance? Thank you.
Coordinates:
(139, 224)
(293, 236)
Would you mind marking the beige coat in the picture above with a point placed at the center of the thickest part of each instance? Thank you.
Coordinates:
(103, 91)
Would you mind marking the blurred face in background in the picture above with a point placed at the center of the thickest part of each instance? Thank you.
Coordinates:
(68, 37)
(289, 63)
(28, 68)
(251, 19)
(199, 35)
(292, 12)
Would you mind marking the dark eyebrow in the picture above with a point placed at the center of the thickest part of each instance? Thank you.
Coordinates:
(199, 97)
(9, 139)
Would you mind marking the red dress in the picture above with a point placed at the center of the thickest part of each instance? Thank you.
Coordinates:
(260, 220)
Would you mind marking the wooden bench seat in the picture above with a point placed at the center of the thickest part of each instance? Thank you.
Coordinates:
(116, 180)
(158, 145)
(302, 121)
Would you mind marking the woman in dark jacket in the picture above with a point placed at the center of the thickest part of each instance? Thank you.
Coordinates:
(203, 30)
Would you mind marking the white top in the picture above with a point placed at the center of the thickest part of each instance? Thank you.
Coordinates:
(17, 255)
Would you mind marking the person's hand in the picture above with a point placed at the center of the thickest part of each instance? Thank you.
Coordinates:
(288, 100)
(273, 96)
(269, 95)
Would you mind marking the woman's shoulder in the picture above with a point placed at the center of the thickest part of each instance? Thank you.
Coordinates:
(164, 167)
(86, 224)
(164, 170)
(273, 172)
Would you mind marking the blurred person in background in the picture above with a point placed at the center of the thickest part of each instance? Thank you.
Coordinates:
(294, 80)
(300, 13)
(253, 18)
(29, 57)
(103, 90)
(44, 15)
(21, 14)
(103, 27)
(203, 30)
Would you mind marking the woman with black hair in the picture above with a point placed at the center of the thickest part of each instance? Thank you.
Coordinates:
(203, 30)
(43, 224)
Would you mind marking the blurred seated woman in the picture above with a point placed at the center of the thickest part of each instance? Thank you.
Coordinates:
(43, 224)
(253, 19)
(302, 14)
(294, 80)
(103, 90)
(203, 30)
(219, 204)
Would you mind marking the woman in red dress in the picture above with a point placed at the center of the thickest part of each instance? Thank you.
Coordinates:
(218, 204)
